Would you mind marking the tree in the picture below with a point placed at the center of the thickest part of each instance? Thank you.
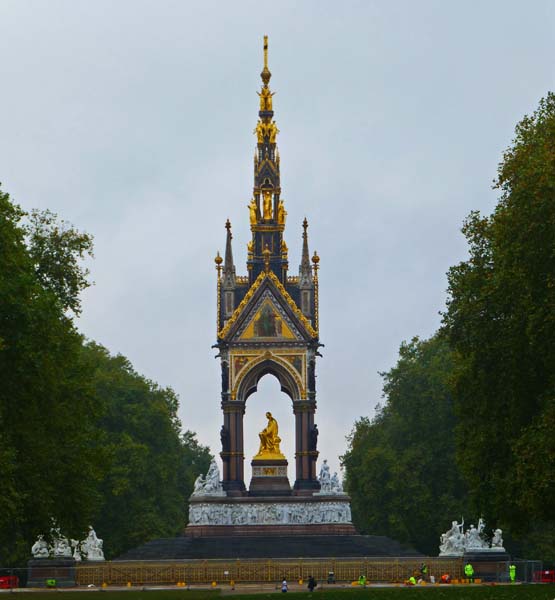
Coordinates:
(57, 249)
(84, 439)
(400, 466)
(151, 464)
(500, 321)
(47, 409)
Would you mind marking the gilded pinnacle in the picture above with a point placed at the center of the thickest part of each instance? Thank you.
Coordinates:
(265, 75)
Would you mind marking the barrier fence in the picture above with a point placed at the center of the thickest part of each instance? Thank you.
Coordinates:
(257, 571)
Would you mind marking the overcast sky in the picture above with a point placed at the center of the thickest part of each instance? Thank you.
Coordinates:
(134, 121)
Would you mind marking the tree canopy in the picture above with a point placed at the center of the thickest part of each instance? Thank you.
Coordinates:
(469, 414)
(500, 321)
(401, 471)
(84, 439)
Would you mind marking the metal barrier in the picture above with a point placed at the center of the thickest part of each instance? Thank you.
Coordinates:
(270, 571)
(193, 572)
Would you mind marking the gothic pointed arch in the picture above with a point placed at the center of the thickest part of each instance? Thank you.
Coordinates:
(289, 380)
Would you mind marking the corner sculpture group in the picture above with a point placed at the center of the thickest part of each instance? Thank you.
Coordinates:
(455, 541)
(90, 548)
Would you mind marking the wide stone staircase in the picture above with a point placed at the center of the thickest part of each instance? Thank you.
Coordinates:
(310, 546)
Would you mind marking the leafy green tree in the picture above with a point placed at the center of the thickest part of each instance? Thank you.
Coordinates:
(500, 321)
(47, 408)
(400, 466)
(57, 250)
(151, 464)
(83, 438)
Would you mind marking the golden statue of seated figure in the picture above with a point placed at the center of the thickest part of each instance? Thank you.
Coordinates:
(269, 441)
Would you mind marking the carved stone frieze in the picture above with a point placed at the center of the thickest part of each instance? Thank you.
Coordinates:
(261, 513)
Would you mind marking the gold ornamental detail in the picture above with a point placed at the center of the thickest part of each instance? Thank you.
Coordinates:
(285, 294)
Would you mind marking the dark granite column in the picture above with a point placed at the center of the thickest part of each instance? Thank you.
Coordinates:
(232, 447)
(306, 452)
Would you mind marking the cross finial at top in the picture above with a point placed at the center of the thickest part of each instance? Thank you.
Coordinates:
(265, 75)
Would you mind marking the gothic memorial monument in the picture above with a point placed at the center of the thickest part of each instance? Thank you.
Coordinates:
(267, 322)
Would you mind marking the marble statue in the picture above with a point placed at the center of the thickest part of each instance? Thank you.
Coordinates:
(269, 440)
(336, 485)
(472, 539)
(60, 547)
(325, 478)
(212, 481)
(92, 546)
(40, 548)
(452, 541)
(198, 486)
(76, 545)
(209, 485)
(497, 539)
(253, 513)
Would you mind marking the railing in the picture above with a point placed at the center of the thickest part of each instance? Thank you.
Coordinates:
(258, 572)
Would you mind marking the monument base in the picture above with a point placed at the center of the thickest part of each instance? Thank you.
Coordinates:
(269, 478)
(62, 570)
(279, 515)
(488, 562)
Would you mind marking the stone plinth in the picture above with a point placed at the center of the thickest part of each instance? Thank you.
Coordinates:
(60, 569)
(490, 564)
(270, 515)
(269, 478)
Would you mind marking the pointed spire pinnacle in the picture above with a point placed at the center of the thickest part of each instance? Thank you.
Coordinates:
(229, 267)
(305, 271)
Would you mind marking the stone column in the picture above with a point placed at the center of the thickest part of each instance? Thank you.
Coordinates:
(233, 452)
(305, 454)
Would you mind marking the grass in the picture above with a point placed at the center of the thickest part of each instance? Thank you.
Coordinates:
(482, 592)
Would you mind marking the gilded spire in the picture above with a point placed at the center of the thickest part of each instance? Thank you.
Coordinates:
(267, 212)
(265, 75)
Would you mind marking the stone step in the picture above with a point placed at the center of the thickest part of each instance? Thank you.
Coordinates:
(232, 547)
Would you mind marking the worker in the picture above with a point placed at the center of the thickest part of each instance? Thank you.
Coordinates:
(424, 571)
(469, 572)
(512, 573)
(362, 580)
(412, 580)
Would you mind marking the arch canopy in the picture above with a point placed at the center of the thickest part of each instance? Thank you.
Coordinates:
(287, 380)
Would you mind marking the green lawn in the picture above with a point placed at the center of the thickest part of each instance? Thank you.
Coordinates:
(516, 592)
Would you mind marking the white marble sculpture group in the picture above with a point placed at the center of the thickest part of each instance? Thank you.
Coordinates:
(456, 541)
(329, 485)
(264, 513)
(209, 485)
(90, 548)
